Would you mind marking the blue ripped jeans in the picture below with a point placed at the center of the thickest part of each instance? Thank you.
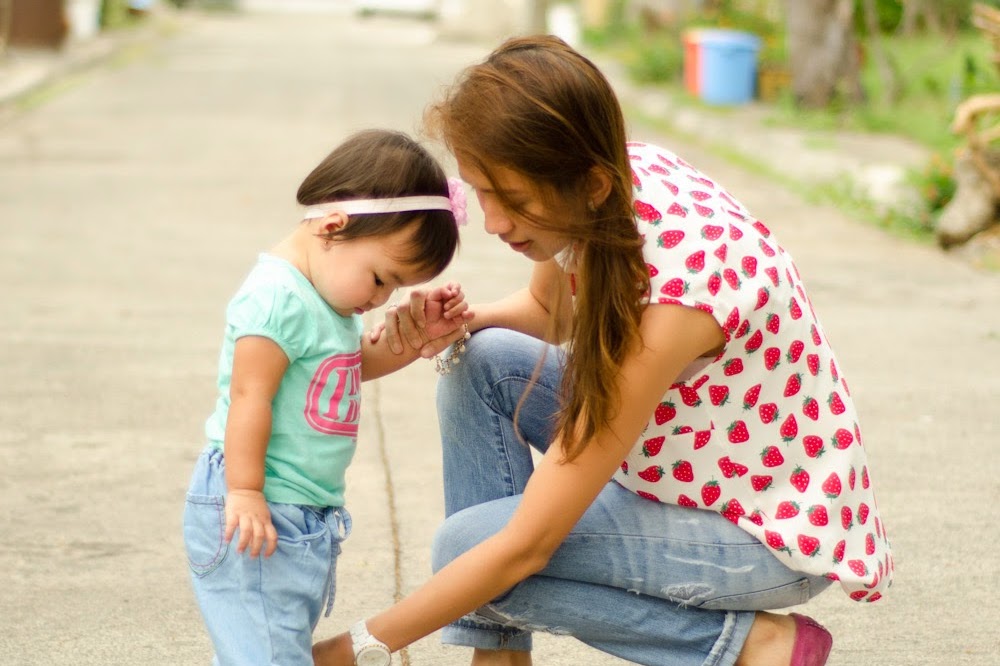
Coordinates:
(648, 582)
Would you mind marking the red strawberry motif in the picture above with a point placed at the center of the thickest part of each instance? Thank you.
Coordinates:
(793, 385)
(775, 541)
(675, 287)
(817, 515)
(771, 457)
(719, 395)
(684, 500)
(794, 311)
(714, 283)
(670, 186)
(653, 473)
(645, 495)
(768, 412)
(858, 595)
(732, 510)
(749, 266)
(721, 252)
(842, 439)
(743, 329)
(795, 351)
(738, 432)
(731, 278)
(704, 211)
(695, 263)
(653, 271)
(761, 482)
(759, 226)
(733, 366)
(789, 428)
(670, 239)
(814, 332)
(689, 395)
(799, 479)
(763, 296)
(772, 357)
(869, 544)
(730, 468)
(812, 361)
(773, 323)
(664, 412)
(766, 249)
(862, 513)
(682, 471)
(711, 231)
(858, 567)
(772, 273)
(651, 447)
(701, 438)
(808, 545)
(846, 517)
(851, 478)
(710, 493)
(838, 551)
(836, 404)
(864, 477)
(738, 216)
(698, 195)
(647, 212)
(677, 209)
(810, 407)
(734, 233)
(624, 467)
(636, 183)
(751, 396)
(833, 370)
(656, 168)
(787, 510)
(682, 430)
(754, 343)
(813, 446)
(667, 162)
(700, 179)
(757, 518)
(832, 486)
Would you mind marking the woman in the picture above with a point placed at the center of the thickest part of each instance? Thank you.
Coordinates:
(702, 459)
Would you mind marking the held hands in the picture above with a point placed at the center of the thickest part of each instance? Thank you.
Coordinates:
(430, 322)
(247, 510)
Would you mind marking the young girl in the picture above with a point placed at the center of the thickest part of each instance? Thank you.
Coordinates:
(703, 461)
(380, 215)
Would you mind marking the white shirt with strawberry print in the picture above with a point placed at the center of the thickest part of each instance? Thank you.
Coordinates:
(766, 433)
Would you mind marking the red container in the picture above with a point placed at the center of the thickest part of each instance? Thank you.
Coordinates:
(692, 61)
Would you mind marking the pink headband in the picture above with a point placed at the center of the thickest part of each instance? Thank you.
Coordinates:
(454, 202)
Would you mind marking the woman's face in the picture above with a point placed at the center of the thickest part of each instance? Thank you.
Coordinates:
(511, 227)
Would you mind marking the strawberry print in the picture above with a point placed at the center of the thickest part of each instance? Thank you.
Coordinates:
(649, 496)
(773, 445)
(771, 457)
(682, 471)
(647, 212)
(652, 446)
(652, 473)
(675, 287)
(669, 239)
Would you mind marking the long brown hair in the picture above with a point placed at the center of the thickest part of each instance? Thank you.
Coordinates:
(541, 109)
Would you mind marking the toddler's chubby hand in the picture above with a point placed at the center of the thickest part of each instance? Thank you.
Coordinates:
(432, 320)
(247, 510)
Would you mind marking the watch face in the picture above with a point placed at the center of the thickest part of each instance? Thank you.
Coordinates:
(373, 656)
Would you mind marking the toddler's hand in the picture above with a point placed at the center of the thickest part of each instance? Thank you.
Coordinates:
(247, 510)
(445, 311)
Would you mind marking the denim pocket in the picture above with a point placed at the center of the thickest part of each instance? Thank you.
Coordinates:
(204, 532)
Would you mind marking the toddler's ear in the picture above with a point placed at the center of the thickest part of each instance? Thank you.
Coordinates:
(333, 222)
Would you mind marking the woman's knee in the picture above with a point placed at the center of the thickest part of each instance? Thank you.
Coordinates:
(468, 528)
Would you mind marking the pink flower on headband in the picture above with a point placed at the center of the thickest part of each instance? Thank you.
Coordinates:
(456, 195)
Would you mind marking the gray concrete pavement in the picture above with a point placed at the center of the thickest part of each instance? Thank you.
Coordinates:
(131, 204)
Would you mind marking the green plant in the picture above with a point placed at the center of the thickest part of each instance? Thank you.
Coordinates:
(657, 61)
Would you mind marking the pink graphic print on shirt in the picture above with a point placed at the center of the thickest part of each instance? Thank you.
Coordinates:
(765, 434)
(334, 407)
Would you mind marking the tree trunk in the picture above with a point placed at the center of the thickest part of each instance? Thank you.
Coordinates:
(823, 51)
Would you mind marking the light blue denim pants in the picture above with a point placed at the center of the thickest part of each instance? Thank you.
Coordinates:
(260, 611)
(651, 583)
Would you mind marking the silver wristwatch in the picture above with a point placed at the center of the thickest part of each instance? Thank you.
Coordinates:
(368, 650)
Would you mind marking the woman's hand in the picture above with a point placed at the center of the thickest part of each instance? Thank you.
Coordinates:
(336, 651)
(247, 510)
(432, 320)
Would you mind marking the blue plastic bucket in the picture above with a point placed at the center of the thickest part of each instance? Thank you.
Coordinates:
(728, 65)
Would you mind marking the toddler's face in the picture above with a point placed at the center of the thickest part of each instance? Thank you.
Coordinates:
(360, 275)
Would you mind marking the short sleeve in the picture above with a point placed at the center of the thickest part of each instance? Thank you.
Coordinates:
(273, 311)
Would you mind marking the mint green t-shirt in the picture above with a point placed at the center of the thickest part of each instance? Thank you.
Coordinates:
(316, 412)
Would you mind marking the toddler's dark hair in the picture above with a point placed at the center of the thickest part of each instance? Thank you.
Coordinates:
(379, 164)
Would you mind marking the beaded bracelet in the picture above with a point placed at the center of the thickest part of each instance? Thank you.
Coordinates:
(443, 365)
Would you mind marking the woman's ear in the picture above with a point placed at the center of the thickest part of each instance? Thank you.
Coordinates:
(598, 187)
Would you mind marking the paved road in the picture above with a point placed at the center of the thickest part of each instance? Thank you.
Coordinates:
(133, 201)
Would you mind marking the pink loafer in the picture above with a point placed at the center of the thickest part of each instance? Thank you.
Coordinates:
(812, 642)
